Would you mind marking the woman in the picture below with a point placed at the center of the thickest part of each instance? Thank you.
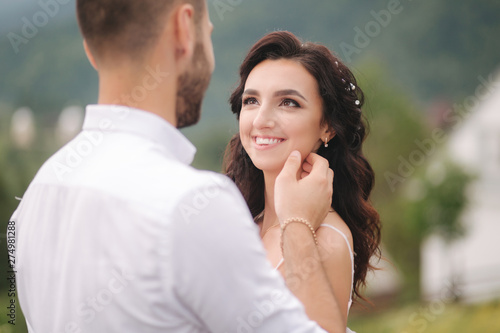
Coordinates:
(294, 96)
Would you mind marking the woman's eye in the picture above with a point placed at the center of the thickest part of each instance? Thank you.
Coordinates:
(290, 103)
(249, 101)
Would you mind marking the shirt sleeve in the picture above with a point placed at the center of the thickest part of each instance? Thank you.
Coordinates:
(220, 270)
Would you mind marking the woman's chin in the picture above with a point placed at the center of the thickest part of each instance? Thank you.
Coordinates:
(269, 167)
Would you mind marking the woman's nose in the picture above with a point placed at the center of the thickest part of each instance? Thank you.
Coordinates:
(264, 117)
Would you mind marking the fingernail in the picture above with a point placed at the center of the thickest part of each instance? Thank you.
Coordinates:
(296, 153)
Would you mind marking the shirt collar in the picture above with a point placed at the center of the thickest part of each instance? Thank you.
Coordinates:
(117, 118)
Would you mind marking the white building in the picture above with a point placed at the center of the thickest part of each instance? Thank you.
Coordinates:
(472, 263)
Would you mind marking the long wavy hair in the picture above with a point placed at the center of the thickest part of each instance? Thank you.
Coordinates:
(342, 102)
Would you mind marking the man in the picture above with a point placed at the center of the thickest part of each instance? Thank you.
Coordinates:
(117, 233)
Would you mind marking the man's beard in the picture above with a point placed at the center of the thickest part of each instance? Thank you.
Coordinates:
(191, 88)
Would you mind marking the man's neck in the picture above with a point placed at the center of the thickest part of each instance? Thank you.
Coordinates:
(149, 89)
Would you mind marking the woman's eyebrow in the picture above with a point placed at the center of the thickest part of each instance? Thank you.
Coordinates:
(279, 93)
(251, 92)
(287, 92)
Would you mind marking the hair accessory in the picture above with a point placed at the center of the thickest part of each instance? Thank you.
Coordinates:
(298, 220)
(337, 63)
(326, 142)
(353, 86)
(357, 102)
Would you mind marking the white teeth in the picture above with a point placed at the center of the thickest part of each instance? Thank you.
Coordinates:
(266, 141)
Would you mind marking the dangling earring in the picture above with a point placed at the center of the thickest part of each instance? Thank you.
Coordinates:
(326, 142)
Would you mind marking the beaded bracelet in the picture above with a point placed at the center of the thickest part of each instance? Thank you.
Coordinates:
(300, 220)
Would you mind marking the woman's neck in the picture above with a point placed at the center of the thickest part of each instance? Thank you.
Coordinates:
(270, 217)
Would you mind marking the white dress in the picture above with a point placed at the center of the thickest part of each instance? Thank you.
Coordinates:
(351, 253)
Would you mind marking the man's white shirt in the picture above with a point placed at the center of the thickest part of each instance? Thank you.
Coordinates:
(117, 233)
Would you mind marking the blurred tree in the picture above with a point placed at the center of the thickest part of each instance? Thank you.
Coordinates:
(17, 169)
(435, 199)
(442, 57)
(211, 144)
(395, 123)
(438, 198)
(440, 48)
(397, 131)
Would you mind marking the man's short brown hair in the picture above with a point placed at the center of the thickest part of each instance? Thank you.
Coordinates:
(111, 27)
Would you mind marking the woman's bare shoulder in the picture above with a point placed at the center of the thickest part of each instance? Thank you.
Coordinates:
(327, 236)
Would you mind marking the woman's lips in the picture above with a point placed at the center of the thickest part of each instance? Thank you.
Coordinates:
(262, 142)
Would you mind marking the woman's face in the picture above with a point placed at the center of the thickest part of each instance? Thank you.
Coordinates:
(281, 112)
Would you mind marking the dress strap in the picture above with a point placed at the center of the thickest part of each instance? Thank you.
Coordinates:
(351, 253)
(279, 264)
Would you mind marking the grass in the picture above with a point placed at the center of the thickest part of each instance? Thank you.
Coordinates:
(415, 318)
(436, 317)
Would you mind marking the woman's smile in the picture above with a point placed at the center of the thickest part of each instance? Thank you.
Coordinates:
(266, 142)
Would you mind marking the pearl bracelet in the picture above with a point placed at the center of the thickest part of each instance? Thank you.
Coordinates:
(299, 220)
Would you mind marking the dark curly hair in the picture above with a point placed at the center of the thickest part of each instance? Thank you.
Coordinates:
(342, 102)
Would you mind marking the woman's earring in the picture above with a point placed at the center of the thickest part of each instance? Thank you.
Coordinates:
(326, 142)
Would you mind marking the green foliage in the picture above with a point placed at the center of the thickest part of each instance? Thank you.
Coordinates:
(20, 322)
(17, 168)
(49, 73)
(441, 197)
(396, 128)
(431, 202)
(442, 57)
(439, 48)
(211, 145)
(394, 122)
(435, 317)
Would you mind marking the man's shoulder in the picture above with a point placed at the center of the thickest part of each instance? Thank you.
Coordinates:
(184, 179)
(146, 176)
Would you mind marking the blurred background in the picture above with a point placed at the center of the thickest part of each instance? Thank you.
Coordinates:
(429, 70)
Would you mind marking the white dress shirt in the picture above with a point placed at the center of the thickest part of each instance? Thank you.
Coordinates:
(117, 233)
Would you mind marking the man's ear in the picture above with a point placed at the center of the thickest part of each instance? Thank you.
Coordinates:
(89, 54)
(184, 34)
